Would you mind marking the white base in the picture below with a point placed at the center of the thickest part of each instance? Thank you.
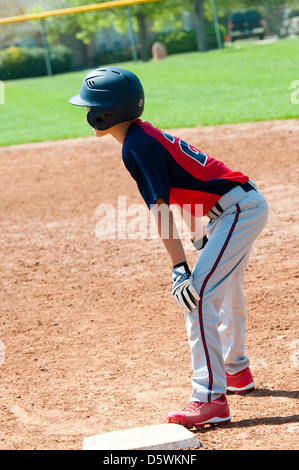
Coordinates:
(156, 437)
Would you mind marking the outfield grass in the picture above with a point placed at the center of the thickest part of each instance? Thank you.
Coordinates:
(241, 83)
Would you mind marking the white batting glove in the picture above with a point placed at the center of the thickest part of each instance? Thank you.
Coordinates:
(183, 291)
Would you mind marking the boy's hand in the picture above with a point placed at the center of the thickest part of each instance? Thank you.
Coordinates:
(183, 291)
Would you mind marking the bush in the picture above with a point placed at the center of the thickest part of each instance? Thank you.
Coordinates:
(180, 41)
(110, 57)
(22, 62)
(61, 59)
(211, 35)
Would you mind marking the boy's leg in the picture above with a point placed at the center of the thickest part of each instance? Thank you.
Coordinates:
(230, 238)
(232, 328)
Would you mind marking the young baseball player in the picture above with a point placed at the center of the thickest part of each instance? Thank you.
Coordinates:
(168, 171)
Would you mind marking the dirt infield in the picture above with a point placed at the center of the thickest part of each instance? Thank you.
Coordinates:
(92, 340)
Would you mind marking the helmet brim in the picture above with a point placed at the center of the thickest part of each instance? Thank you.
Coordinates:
(78, 101)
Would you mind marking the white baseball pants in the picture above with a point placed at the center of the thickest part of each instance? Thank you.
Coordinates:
(216, 328)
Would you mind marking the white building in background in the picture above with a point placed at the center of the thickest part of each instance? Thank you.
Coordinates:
(25, 33)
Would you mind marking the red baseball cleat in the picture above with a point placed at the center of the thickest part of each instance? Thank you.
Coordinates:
(240, 383)
(199, 414)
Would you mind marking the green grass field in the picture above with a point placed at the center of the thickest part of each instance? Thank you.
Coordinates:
(241, 83)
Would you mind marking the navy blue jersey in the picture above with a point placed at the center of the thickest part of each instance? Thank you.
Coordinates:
(167, 167)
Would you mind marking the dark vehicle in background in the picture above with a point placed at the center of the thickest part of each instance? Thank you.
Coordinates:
(245, 24)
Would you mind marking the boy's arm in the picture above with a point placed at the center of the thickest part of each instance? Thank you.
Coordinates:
(183, 290)
(167, 230)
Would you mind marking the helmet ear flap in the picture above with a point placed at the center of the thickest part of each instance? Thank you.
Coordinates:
(97, 119)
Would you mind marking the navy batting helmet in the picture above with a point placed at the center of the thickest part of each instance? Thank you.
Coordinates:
(114, 95)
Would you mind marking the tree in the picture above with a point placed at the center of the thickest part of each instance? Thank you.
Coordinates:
(154, 15)
(199, 18)
(144, 16)
(86, 25)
